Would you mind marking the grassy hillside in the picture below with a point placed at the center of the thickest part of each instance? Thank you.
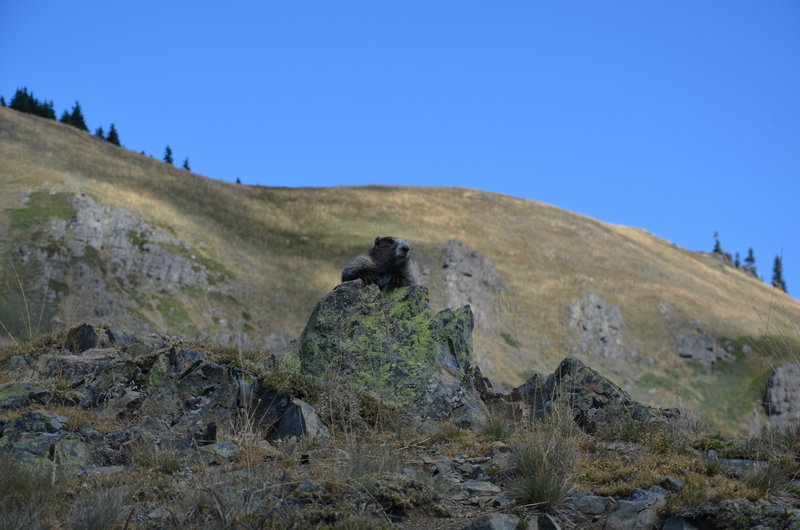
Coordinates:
(286, 248)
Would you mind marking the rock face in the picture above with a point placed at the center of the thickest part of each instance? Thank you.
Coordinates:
(173, 395)
(591, 398)
(596, 327)
(695, 345)
(470, 279)
(390, 345)
(782, 400)
(88, 260)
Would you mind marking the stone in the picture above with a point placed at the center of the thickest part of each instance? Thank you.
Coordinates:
(390, 345)
(82, 338)
(635, 514)
(782, 400)
(470, 279)
(495, 521)
(589, 504)
(674, 522)
(221, 450)
(739, 467)
(693, 344)
(300, 419)
(672, 484)
(592, 398)
(632, 515)
(38, 421)
(16, 395)
(546, 522)
(595, 327)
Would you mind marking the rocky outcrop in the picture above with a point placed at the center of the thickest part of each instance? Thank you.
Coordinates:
(389, 344)
(106, 262)
(695, 345)
(595, 327)
(782, 400)
(173, 396)
(470, 279)
(591, 399)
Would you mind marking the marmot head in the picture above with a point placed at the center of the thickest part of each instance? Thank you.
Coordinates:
(391, 250)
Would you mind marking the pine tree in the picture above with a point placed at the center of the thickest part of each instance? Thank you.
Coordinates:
(737, 262)
(66, 118)
(750, 262)
(168, 155)
(238, 180)
(100, 133)
(186, 164)
(24, 101)
(113, 135)
(717, 246)
(2, 101)
(777, 275)
(76, 118)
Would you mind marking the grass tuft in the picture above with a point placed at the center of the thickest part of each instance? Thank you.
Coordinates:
(545, 459)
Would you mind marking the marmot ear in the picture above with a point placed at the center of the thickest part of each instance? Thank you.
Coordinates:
(377, 239)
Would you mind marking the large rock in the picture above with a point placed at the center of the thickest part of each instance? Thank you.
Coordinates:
(470, 279)
(390, 345)
(595, 327)
(591, 398)
(782, 401)
(695, 345)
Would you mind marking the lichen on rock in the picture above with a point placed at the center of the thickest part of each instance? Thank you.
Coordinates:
(390, 344)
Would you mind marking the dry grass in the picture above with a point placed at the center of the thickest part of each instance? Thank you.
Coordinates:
(545, 460)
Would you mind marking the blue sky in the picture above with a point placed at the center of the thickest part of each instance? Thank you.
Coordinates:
(679, 117)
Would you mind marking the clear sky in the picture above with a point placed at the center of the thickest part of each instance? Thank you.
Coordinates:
(679, 117)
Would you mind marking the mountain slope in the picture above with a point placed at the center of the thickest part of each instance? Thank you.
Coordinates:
(165, 249)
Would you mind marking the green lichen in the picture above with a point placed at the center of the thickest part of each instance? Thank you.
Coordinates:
(387, 343)
(72, 453)
(157, 377)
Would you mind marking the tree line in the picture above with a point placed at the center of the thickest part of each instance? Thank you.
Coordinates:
(749, 264)
(25, 101)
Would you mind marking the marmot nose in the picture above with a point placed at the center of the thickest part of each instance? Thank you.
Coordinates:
(405, 248)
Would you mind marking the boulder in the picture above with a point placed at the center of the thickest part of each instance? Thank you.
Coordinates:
(40, 438)
(470, 279)
(390, 345)
(300, 419)
(595, 327)
(782, 400)
(591, 398)
(695, 345)
(638, 513)
(16, 395)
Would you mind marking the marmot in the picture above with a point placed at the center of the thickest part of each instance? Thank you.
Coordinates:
(386, 263)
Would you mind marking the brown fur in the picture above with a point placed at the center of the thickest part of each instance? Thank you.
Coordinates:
(386, 263)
